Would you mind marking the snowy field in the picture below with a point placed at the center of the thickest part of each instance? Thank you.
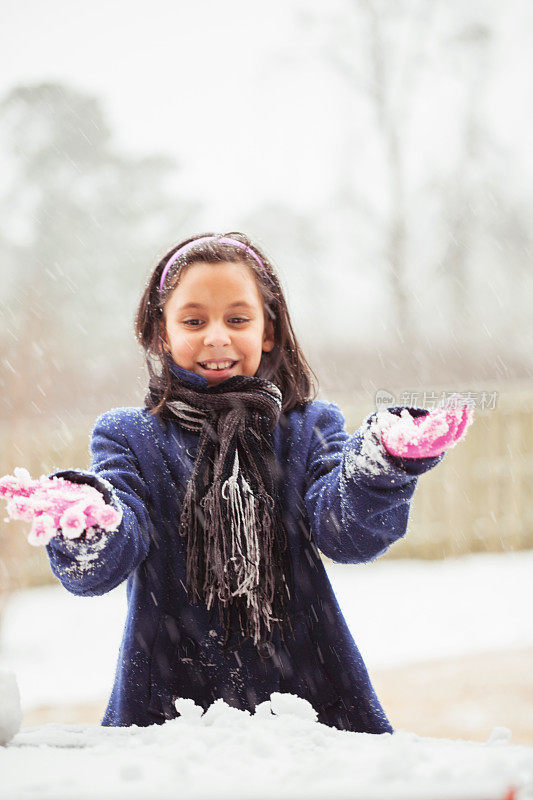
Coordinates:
(63, 650)
(231, 754)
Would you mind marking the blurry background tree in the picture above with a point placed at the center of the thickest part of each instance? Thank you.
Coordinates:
(80, 223)
(436, 245)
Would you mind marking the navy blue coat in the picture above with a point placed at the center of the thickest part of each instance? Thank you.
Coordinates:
(335, 499)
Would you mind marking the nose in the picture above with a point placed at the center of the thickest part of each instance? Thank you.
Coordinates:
(216, 335)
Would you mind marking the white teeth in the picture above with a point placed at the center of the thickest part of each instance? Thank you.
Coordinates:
(214, 365)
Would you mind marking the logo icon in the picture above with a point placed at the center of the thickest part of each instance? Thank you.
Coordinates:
(383, 399)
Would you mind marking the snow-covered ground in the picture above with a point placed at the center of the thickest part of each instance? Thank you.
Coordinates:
(63, 648)
(401, 612)
(231, 754)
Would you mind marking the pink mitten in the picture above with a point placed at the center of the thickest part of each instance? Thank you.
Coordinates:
(429, 435)
(55, 505)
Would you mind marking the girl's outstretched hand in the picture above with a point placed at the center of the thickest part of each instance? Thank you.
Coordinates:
(56, 506)
(428, 435)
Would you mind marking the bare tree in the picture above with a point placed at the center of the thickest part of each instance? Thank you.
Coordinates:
(465, 191)
(378, 48)
(92, 221)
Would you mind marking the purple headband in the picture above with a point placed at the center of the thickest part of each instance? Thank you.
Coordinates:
(225, 239)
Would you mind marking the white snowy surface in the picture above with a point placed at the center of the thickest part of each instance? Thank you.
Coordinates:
(63, 649)
(10, 710)
(228, 753)
(399, 612)
(402, 612)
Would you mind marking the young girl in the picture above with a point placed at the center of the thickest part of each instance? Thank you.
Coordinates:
(228, 482)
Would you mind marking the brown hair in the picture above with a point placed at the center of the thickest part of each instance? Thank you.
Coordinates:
(285, 365)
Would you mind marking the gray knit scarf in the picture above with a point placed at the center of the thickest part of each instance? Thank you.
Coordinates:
(237, 547)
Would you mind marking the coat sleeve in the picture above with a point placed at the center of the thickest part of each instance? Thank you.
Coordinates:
(358, 495)
(95, 566)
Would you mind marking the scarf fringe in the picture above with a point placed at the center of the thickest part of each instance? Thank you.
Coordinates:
(234, 509)
(237, 546)
(244, 542)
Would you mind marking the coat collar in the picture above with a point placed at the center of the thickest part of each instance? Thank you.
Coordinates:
(186, 375)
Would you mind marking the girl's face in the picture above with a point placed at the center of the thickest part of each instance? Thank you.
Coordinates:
(215, 316)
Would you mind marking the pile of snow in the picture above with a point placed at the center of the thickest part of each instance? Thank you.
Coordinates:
(10, 710)
(278, 752)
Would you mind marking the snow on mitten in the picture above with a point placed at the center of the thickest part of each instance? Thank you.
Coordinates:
(428, 435)
(56, 506)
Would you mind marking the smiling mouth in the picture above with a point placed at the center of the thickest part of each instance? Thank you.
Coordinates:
(217, 366)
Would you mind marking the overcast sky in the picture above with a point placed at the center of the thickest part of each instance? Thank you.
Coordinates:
(203, 81)
(233, 89)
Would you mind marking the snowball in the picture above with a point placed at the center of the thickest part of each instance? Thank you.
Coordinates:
(14, 484)
(10, 710)
(109, 518)
(23, 476)
(188, 708)
(42, 530)
(263, 709)
(283, 704)
(91, 514)
(73, 521)
(21, 508)
(221, 713)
